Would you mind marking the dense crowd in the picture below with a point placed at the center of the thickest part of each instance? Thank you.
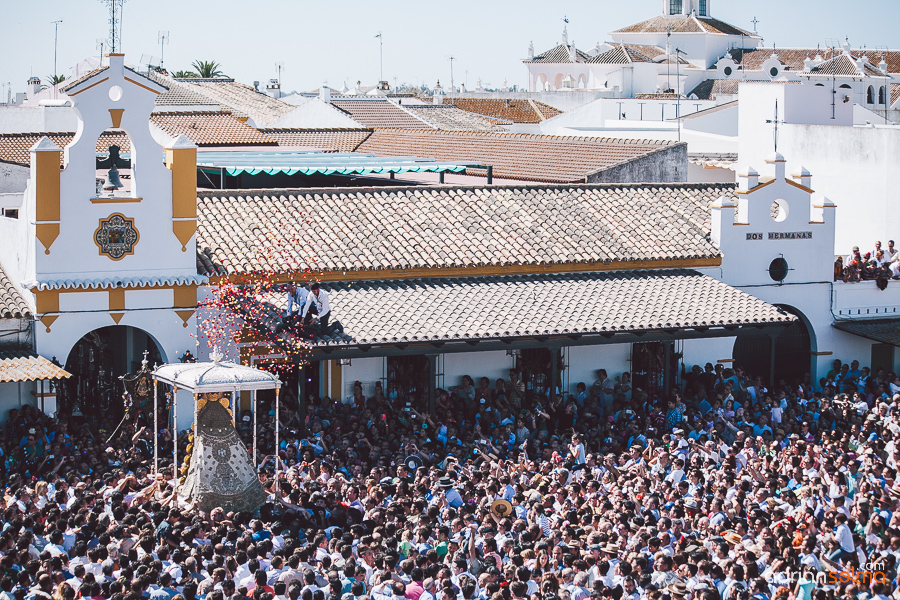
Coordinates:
(725, 490)
(879, 264)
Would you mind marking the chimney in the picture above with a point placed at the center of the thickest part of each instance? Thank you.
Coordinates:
(883, 64)
(273, 88)
(256, 85)
(34, 86)
(530, 50)
(438, 94)
(325, 94)
(565, 36)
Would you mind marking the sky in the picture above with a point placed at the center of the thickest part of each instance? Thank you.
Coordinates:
(334, 42)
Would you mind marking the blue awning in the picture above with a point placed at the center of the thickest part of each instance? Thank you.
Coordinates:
(317, 162)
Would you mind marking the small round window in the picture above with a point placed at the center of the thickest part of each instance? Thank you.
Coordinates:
(778, 269)
(727, 71)
(773, 71)
(115, 93)
(778, 211)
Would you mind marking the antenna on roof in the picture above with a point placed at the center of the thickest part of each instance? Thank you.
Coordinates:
(163, 40)
(115, 24)
(101, 43)
(279, 66)
(55, 36)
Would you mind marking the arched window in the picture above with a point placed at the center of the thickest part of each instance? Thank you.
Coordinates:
(882, 95)
(674, 7)
(870, 95)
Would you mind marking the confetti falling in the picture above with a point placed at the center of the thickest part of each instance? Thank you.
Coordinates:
(240, 314)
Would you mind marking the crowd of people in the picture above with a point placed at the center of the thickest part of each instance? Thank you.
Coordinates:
(878, 264)
(725, 490)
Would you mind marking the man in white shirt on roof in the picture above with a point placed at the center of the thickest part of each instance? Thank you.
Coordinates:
(317, 298)
(296, 301)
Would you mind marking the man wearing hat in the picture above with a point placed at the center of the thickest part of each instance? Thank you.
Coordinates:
(445, 485)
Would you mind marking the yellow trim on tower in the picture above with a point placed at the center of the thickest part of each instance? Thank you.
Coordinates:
(753, 189)
(117, 299)
(184, 231)
(185, 316)
(87, 88)
(47, 185)
(142, 85)
(185, 296)
(47, 234)
(47, 301)
(183, 164)
(116, 115)
(48, 320)
(802, 187)
(336, 373)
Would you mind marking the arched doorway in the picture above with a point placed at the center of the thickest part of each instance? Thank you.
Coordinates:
(792, 349)
(96, 362)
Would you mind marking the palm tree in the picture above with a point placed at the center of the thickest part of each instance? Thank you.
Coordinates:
(185, 75)
(53, 80)
(207, 69)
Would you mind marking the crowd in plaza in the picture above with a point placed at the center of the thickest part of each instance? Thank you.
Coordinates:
(725, 490)
(877, 264)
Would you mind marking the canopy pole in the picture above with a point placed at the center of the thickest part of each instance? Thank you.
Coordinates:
(175, 433)
(253, 409)
(155, 426)
(277, 431)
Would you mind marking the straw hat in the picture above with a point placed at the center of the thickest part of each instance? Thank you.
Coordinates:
(501, 508)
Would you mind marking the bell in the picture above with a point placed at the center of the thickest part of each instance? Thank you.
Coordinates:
(112, 179)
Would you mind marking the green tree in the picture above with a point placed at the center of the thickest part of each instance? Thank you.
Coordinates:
(207, 69)
(185, 75)
(53, 80)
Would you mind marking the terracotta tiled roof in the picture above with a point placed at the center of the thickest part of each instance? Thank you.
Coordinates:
(517, 111)
(378, 112)
(619, 55)
(335, 140)
(528, 157)
(179, 95)
(15, 147)
(210, 128)
(241, 99)
(844, 65)
(895, 93)
(683, 24)
(886, 331)
(710, 88)
(26, 366)
(73, 82)
(453, 118)
(510, 307)
(559, 54)
(390, 229)
(793, 58)
(12, 304)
